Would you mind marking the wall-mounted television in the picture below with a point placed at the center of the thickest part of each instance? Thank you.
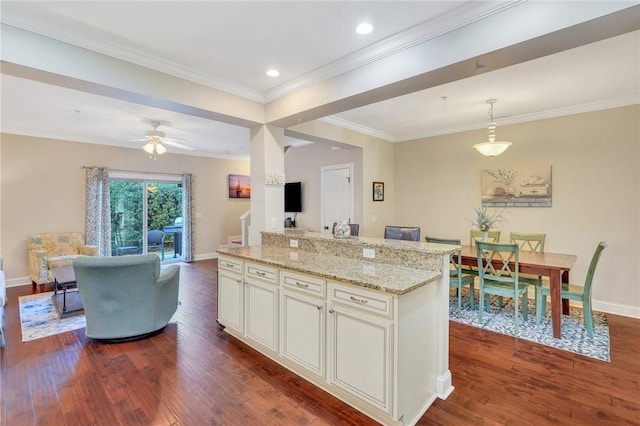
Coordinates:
(293, 197)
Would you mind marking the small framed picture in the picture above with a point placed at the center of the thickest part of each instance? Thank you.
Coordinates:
(378, 191)
(239, 186)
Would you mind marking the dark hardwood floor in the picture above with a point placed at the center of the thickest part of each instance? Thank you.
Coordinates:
(195, 374)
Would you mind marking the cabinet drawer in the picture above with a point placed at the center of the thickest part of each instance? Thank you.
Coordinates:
(262, 272)
(379, 303)
(231, 264)
(304, 283)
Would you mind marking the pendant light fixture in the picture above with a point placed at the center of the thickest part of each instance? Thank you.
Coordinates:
(493, 147)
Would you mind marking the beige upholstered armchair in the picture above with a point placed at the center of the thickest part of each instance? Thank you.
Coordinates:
(48, 251)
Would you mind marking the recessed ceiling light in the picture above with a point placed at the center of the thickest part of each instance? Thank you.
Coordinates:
(273, 73)
(364, 28)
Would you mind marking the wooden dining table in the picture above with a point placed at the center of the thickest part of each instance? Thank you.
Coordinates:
(556, 266)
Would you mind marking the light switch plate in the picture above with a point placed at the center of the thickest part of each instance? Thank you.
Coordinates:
(369, 253)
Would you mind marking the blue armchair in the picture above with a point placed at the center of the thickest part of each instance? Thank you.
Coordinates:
(127, 297)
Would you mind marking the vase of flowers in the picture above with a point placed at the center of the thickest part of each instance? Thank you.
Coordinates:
(485, 221)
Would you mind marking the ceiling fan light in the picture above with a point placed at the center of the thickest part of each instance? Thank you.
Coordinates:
(156, 142)
(148, 148)
(492, 149)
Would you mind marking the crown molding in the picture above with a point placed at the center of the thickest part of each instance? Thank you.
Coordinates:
(87, 37)
(345, 124)
(97, 41)
(542, 115)
(465, 14)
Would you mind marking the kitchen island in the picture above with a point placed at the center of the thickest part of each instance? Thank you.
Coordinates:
(373, 331)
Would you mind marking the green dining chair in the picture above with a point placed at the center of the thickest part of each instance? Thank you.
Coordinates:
(528, 242)
(456, 278)
(476, 235)
(573, 292)
(499, 277)
(533, 243)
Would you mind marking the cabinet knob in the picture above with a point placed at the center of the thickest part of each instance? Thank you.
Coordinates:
(319, 307)
(239, 281)
(331, 311)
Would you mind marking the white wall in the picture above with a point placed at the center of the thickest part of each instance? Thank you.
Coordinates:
(377, 165)
(302, 164)
(596, 192)
(43, 190)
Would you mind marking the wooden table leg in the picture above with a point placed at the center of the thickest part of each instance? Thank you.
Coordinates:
(565, 302)
(556, 303)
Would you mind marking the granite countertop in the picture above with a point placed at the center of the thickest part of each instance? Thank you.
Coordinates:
(377, 276)
(415, 246)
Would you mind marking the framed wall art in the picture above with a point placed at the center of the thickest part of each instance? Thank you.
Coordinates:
(378, 191)
(522, 186)
(239, 186)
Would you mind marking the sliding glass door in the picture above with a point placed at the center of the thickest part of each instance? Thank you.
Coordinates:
(146, 217)
(127, 225)
(164, 219)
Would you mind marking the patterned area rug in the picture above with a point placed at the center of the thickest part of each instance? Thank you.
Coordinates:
(501, 320)
(39, 318)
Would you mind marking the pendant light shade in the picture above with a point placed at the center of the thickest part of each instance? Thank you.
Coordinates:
(493, 147)
(154, 148)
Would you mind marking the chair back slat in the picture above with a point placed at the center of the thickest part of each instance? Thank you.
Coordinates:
(592, 267)
(475, 235)
(494, 261)
(528, 242)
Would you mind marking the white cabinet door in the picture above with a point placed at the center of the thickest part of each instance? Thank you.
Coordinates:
(303, 331)
(360, 355)
(230, 300)
(261, 313)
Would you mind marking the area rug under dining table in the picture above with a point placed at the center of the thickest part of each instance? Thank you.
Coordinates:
(500, 319)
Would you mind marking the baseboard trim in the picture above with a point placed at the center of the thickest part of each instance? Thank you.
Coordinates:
(616, 308)
(444, 388)
(205, 256)
(16, 282)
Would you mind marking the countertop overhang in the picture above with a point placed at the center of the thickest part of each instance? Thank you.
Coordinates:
(377, 276)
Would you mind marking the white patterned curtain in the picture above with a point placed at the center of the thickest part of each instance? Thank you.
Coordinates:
(98, 210)
(187, 219)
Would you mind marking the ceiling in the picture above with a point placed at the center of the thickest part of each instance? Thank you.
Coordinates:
(230, 45)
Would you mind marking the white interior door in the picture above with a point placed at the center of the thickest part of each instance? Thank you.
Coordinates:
(337, 195)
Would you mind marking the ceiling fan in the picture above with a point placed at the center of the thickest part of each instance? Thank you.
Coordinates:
(156, 140)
